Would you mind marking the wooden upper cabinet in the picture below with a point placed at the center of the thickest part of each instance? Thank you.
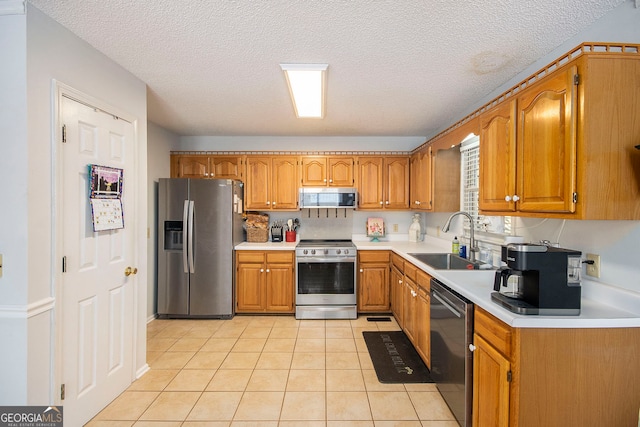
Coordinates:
(284, 182)
(257, 186)
(323, 171)
(396, 183)
(191, 167)
(421, 180)
(226, 167)
(206, 166)
(498, 158)
(528, 149)
(383, 183)
(369, 181)
(546, 144)
(271, 183)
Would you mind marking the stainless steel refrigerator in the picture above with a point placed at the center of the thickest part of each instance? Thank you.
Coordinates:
(199, 223)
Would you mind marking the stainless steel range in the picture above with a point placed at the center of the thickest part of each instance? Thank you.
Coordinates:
(326, 279)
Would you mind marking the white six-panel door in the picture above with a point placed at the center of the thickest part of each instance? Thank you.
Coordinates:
(97, 298)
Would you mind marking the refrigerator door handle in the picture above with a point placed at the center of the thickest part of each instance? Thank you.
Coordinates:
(185, 243)
(192, 268)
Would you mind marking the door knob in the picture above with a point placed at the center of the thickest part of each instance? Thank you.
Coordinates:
(129, 271)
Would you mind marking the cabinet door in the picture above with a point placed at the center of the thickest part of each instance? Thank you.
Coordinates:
(314, 171)
(249, 287)
(490, 385)
(397, 300)
(421, 182)
(410, 295)
(193, 167)
(226, 167)
(396, 183)
(257, 184)
(340, 171)
(284, 182)
(373, 287)
(546, 145)
(423, 326)
(279, 288)
(498, 159)
(369, 181)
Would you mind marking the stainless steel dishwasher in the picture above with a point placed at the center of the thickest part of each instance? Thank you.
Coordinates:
(451, 359)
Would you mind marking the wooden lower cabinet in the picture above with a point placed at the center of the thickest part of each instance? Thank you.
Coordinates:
(554, 377)
(373, 281)
(423, 317)
(410, 304)
(265, 282)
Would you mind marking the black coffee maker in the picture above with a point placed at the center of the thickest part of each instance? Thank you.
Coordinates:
(539, 279)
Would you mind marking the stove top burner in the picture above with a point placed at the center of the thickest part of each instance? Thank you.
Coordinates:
(325, 243)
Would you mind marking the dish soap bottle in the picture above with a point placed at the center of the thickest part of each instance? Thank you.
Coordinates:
(414, 229)
(455, 246)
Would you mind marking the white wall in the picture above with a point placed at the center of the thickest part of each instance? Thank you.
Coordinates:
(13, 213)
(34, 51)
(160, 143)
(302, 143)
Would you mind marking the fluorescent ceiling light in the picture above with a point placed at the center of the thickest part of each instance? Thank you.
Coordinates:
(307, 87)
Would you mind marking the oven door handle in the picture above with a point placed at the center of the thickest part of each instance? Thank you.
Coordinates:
(325, 260)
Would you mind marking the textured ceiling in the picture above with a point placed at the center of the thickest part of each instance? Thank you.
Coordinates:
(396, 67)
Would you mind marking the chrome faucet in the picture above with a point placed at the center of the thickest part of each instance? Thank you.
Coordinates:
(472, 241)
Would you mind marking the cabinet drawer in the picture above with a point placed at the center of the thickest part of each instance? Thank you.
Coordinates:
(423, 280)
(410, 270)
(373, 256)
(280, 257)
(250, 256)
(493, 330)
(398, 261)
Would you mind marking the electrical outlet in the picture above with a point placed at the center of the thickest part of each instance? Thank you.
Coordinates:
(395, 228)
(593, 270)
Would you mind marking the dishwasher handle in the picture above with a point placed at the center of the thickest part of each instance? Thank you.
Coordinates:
(446, 303)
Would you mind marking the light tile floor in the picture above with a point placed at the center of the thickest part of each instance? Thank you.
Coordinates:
(268, 371)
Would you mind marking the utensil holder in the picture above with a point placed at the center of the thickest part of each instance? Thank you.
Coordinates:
(290, 236)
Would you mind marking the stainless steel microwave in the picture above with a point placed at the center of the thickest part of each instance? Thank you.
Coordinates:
(328, 197)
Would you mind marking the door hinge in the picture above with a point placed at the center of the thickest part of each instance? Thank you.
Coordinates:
(576, 79)
(64, 264)
(62, 392)
(575, 197)
(509, 376)
(64, 134)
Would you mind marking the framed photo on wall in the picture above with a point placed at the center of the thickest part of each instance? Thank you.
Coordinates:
(106, 182)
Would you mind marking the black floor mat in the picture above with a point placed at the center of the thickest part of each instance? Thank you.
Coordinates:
(394, 358)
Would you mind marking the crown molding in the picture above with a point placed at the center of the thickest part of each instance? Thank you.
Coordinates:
(13, 7)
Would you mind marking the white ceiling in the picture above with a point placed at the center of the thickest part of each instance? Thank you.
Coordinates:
(396, 67)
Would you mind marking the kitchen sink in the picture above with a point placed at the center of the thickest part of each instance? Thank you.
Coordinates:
(446, 261)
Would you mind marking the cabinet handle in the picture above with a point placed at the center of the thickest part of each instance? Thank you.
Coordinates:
(417, 202)
(387, 202)
(472, 347)
(361, 271)
(515, 198)
(274, 203)
(330, 180)
(507, 198)
(381, 202)
(268, 202)
(262, 270)
(324, 180)
(400, 282)
(267, 270)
